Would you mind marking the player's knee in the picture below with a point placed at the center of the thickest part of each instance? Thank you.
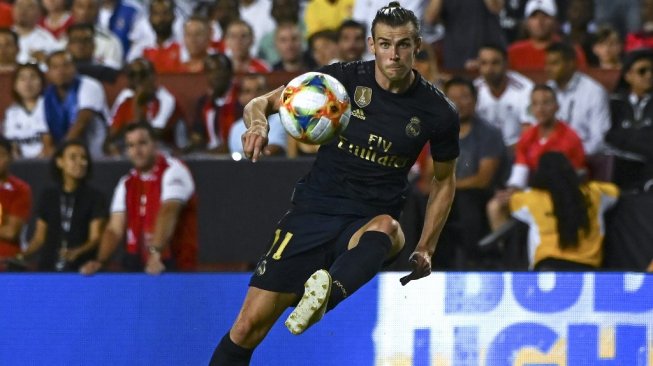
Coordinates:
(246, 332)
(385, 224)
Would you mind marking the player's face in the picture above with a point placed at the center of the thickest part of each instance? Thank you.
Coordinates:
(141, 149)
(28, 84)
(394, 50)
(464, 100)
(640, 76)
(543, 106)
(492, 65)
(557, 68)
(73, 162)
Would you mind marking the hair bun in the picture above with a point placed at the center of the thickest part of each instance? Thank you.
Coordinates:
(394, 4)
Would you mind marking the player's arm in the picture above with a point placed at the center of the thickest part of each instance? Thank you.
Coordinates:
(111, 237)
(166, 222)
(11, 228)
(443, 188)
(255, 117)
(84, 118)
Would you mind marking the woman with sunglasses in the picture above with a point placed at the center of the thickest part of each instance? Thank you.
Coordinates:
(631, 133)
(70, 214)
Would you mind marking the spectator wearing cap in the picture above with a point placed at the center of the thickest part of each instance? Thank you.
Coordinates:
(631, 133)
(583, 101)
(468, 24)
(541, 24)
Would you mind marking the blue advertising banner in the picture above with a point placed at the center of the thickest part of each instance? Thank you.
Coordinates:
(447, 319)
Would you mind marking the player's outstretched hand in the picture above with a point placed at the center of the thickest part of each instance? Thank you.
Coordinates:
(421, 263)
(254, 140)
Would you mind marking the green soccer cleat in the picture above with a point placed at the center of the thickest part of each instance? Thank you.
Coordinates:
(312, 306)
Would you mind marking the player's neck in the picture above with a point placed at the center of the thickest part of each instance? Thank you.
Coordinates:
(395, 87)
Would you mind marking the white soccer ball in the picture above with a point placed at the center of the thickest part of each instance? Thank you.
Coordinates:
(314, 108)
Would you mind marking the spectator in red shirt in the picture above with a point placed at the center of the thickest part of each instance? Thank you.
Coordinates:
(154, 208)
(643, 38)
(218, 109)
(239, 40)
(530, 54)
(6, 20)
(166, 53)
(15, 204)
(144, 100)
(549, 134)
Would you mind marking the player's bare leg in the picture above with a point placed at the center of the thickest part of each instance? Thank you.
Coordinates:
(259, 312)
(379, 239)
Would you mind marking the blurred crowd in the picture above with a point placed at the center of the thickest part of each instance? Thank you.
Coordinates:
(61, 54)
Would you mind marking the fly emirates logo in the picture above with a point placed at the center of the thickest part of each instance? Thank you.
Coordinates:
(377, 151)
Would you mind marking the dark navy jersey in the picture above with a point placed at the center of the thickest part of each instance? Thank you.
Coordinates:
(364, 170)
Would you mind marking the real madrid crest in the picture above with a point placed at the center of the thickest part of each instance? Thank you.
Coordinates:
(362, 96)
(413, 127)
(260, 269)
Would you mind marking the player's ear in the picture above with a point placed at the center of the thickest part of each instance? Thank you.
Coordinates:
(418, 45)
(370, 44)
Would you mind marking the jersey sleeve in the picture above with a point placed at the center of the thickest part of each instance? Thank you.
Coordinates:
(444, 141)
(336, 70)
(91, 96)
(119, 201)
(177, 183)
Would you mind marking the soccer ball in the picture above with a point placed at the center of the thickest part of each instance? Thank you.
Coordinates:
(314, 108)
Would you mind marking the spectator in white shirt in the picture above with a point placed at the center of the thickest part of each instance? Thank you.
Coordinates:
(34, 42)
(503, 95)
(75, 105)
(24, 123)
(583, 101)
(251, 86)
(257, 13)
(108, 49)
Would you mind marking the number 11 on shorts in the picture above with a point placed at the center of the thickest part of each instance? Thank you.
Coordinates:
(282, 246)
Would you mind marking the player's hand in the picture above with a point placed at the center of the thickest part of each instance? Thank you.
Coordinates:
(254, 141)
(91, 267)
(154, 266)
(420, 260)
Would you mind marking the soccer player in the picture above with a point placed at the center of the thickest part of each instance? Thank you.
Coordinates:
(343, 223)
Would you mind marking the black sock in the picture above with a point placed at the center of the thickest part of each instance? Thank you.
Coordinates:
(357, 266)
(228, 353)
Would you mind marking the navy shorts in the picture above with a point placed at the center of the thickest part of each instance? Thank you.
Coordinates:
(302, 243)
